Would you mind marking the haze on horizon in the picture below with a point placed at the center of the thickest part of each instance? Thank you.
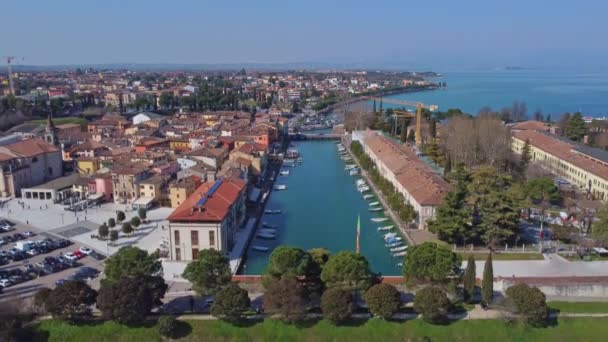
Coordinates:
(430, 34)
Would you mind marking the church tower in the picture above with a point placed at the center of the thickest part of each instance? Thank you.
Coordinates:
(50, 132)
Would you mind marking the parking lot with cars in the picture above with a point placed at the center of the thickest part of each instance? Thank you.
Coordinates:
(31, 259)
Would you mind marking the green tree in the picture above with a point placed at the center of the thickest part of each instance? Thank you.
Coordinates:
(167, 326)
(111, 222)
(230, 303)
(452, 222)
(487, 282)
(209, 272)
(347, 270)
(576, 128)
(542, 190)
(127, 228)
(526, 155)
(383, 300)
(337, 305)
(411, 136)
(469, 279)
(131, 261)
(433, 129)
(319, 257)
(41, 298)
(286, 297)
(142, 213)
(599, 228)
(71, 301)
(403, 135)
(529, 303)
(120, 216)
(135, 221)
(103, 230)
(433, 304)
(286, 260)
(126, 301)
(430, 262)
(113, 235)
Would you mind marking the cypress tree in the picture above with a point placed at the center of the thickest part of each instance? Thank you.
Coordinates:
(374, 107)
(404, 132)
(469, 280)
(433, 129)
(448, 164)
(487, 283)
(411, 137)
(526, 155)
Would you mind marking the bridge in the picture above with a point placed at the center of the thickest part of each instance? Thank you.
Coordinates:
(314, 136)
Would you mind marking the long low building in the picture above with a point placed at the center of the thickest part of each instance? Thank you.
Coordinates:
(421, 186)
(583, 166)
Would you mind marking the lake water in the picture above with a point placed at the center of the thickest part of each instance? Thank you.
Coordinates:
(319, 209)
(552, 91)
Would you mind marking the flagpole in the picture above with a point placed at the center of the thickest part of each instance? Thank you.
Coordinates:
(358, 233)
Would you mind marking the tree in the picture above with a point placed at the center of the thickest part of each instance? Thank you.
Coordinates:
(542, 190)
(433, 304)
(287, 260)
(469, 279)
(286, 297)
(319, 256)
(487, 282)
(433, 129)
(430, 262)
(135, 221)
(41, 298)
(127, 228)
(347, 270)
(127, 301)
(337, 305)
(383, 300)
(103, 230)
(230, 303)
(411, 136)
(131, 261)
(529, 303)
(167, 326)
(113, 235)
(141, 212)
(70, 301)
(453, 218)
(599, 229)
(576, 128)
(120, 216)
(526, 155)
(209, 272)
(403, 135)
(111, 222)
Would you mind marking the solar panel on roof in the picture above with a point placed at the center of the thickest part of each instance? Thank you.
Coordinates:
(209, 193)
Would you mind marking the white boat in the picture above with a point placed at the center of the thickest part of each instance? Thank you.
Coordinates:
(394, 244)
(389, 235)
(268, 225)
(349, 166)
(363, 189)
(373, 204)
(385, 228)
(368, 196)
(379, 219)
(280, 187)
(398, 249)
(285, 173)
(399, 254)
(266, 235)
(354, 172)
(360, 182)
(267, 231)
(375, 209)
(394, 239)
(259, 248)
(269, 211)
(399, 264)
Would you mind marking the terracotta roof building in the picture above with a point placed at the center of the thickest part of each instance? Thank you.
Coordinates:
(209, 218)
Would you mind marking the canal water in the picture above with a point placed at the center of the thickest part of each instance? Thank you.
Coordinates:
(319, 208)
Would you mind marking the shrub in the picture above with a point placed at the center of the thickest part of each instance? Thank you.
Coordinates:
(167, 326)
(529, 303)
(383, 300)
(230, 303)
(113, 235)
(286, 298)
(111, 222)
(142, 213)
(487, 283)
(127, 301)
(103, 230)
(469, 279)
(135, 221)
(433, 304)
(337, 305)
(120, 216)
(127, 228)
(70, 301)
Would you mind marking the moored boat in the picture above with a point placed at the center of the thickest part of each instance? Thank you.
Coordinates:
(260, 248)
(393, 244)
(280, 187)
(368, 196)
(375, 209)
(379, 219)
(385, 228)
(399, 254)
(373, 204)
(270, 211)
(266, 236)
(398, 249)
(268, 225)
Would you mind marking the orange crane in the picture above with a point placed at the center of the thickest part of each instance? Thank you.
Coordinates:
(405, 103)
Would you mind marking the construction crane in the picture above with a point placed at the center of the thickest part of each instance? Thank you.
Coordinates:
(9, 60)
(405, 103)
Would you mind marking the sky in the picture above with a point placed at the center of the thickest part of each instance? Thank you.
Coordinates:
(418, 34)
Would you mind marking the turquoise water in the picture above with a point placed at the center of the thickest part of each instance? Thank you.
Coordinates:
(319, 209)
(552, 91)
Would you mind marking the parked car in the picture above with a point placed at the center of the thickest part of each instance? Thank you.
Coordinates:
(85, 250)
(18, 236)
(33, 252)
(5, 282)
(70, 256)
(79, 254)
(61, 243)
(8, 238)
(97, 256)
(67, 262)
(18, 256)
(29, 268)
(87, 272)
(29, 234)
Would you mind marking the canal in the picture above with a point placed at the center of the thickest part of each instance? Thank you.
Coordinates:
(319, 208)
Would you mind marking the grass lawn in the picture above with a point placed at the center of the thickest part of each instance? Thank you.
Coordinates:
(60, 121)
(503, 256)
(579, 329)
(579, 307)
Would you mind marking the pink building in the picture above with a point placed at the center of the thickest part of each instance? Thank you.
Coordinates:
(101, 184)
(167, 169)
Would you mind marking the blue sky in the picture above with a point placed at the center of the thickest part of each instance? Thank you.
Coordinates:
(428, 33)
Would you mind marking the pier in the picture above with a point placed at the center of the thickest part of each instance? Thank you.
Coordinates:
(314, 136)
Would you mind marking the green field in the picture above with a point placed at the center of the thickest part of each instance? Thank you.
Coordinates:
(579, 329)
(579, 307)
(503, 256)
(60, 121)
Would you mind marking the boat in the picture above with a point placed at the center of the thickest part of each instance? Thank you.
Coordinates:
(270, 211)
(394, 239)
(399, 264)
(363, 188)
(280, 187)
(375, 209)
(394, 244)
(268, 225)
(385, 228)
(266, 235)
(267, 231)
(399, 254)
(374, 204)
(360, 182)
(349, 166)
(299, 160)
(398, 249)
(285, 173)
(389, 235)
(379, 219)
(368, 196)
(354, 171)
(260, 248)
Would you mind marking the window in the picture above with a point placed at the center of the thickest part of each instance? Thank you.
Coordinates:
(178, 254)
(194, 237)
(151, 187)
(211, 238)
(176, 237)
(177, 196)
(194, 253)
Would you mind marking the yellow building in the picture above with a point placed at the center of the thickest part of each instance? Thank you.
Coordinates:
(181, 190)
(179, 145)
(583, 166)
(151, 188)
(88, 166)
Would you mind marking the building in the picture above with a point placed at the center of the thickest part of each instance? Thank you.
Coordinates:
(126, 179)
(182, 189)
(583, 166)
(57, 190)
(28, 163)
(150, 191)
(209, 218)
(421, 186)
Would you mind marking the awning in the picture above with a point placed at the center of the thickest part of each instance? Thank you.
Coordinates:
(143, 201)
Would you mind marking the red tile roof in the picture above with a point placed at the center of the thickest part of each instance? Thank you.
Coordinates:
(28, 148)
(217, 206)
(531, 125)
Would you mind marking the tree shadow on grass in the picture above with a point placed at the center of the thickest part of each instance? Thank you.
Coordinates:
(182, 329)
(355, 322)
